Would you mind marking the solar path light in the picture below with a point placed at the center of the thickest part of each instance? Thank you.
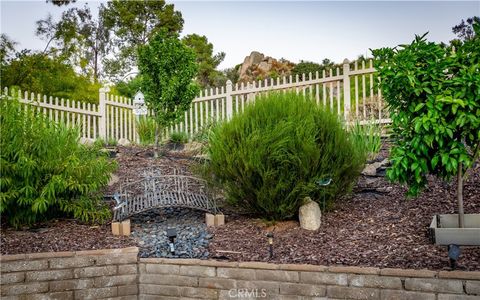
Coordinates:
(172, 235)
(270, 243)
(323, 183)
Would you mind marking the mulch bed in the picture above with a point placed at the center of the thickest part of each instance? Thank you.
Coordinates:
(365, 229)
(60, 235)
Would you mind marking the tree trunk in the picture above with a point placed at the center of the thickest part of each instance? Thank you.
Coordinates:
(95, 67)
(157, 132)
(461, 216)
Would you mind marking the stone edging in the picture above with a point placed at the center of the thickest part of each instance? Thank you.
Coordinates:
(41, 255)
(421, 273)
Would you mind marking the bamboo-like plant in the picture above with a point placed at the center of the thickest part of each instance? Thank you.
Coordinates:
(45, 171)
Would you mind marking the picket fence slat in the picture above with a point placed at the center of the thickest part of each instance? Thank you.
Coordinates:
(113, 117)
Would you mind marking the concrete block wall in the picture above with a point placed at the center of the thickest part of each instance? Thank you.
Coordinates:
(119, 274)
(190, 278)
(71, 275)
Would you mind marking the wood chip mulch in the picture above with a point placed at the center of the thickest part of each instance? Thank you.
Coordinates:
(60, 235)
(367, 229)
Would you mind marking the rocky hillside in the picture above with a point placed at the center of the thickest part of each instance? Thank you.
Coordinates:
(257, 66)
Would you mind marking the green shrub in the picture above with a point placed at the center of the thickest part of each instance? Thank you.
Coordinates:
(45, 171)
(367, 137)
(146, 130)
(100, 143)
(433, 93)
(178, 137)
(202, 135)
(270, 157)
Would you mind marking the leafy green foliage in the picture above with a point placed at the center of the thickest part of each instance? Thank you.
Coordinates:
(367, 137)
(128, 88)
(38, 73)
(146, 130)
(202, 135)
(45, 171)
(306, 67)
(7, 48)
(465, 31)
(178, 137)
(206, 60)
(168, 68)
(61, 2)
(433, 96)
(78, 38)
(133, 24)
(270, 157)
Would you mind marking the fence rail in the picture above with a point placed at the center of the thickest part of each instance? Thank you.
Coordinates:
(351, 91)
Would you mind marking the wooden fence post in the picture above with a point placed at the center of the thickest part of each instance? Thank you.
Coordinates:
(346, 89)
(102, 119)
(229, 99)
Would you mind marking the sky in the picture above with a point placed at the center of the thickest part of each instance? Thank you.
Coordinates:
(296, 31)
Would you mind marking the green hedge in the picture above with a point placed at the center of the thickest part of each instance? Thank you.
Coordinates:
(270, 157)
(45, 172)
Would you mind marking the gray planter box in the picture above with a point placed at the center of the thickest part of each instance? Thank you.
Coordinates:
(444, 230)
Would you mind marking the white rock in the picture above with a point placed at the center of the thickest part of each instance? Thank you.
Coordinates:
(123, 142)
(310, 215)
(86, 141)
(113, 179)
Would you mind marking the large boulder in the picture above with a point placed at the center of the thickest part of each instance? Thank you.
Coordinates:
(375, 168)
(310, 215)
(258, 66)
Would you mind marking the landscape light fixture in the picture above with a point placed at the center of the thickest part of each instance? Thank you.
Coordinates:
(323, 183)
(270, 243)
(453, 254)
(172, 235)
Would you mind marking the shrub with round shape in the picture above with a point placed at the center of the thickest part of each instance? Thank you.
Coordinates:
(271, 156)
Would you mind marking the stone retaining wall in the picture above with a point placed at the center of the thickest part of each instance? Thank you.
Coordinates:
(225, 280)
(118, 274)
(71, 275)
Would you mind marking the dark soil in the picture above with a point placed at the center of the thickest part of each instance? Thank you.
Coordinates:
(380, 229)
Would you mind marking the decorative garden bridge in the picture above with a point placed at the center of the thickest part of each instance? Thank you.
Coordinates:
(161, 191)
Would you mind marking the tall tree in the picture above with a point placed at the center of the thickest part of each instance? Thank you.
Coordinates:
(78, 38)
(206, 60)
(168, 68)
(39, 73)
(61, 2)
(7, 48)
(133, 23)
(465, 30)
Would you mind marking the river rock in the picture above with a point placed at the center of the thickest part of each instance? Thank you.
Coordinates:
(310, 215)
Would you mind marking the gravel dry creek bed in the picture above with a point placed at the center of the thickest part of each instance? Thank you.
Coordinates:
(364, 229)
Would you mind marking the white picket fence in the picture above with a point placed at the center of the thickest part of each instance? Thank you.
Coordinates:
(349, 91)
